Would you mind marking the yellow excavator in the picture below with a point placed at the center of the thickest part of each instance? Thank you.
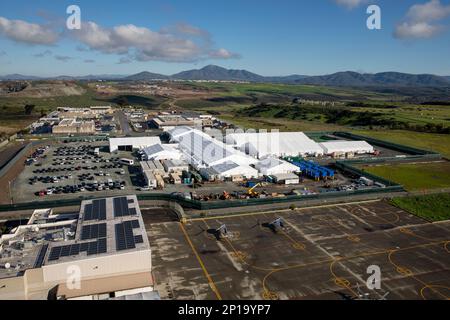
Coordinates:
(251, 192)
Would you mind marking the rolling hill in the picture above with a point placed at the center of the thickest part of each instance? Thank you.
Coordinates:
(212, 72)
(354, 79)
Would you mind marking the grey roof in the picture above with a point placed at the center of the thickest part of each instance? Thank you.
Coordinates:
(224, 167)
(153, 149)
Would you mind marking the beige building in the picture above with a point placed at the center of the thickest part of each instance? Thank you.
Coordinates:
(73, 126)
(102, 252)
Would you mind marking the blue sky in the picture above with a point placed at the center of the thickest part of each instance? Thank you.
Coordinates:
(264, 36)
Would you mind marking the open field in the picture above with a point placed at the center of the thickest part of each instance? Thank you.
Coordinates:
(416, 176)
(320, 253)
(434, 207)
(428, 141)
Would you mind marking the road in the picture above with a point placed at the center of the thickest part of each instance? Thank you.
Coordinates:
(123, 121)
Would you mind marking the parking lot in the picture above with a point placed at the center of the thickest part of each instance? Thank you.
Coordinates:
(318, 253)
(64, 170)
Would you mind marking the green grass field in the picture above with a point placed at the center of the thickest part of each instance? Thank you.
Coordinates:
(428, 141)
(434, 207)
(415, 177)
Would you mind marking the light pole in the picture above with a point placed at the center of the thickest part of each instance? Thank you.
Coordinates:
(10, 193)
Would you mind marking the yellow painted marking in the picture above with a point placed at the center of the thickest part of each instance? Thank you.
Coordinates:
(210, 280)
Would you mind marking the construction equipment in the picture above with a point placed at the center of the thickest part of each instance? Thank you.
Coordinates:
(225, 196)
(251, 192)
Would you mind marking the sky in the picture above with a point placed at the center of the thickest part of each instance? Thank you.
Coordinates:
(268, 37)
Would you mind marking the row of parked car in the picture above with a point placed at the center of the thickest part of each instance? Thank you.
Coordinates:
(37, 154)
(64, 169)
(83, 187)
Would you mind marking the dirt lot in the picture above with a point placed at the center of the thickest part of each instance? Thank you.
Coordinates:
(321, 253)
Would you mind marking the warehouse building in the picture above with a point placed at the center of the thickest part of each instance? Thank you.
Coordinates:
(131, 143)
(154, 166)
(169, 122)
(161, 152)
(172, 166)
(278, 144)
(74, 126)
(273, 166)
(338, 147)
(105, 247)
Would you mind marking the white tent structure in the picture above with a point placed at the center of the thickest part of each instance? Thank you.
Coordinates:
(274, 166)
(344, 146)
(132, 143)
(279, 144)
(162, 152)
(230, 169)
(201, 150)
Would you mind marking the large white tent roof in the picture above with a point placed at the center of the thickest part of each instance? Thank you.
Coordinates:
(270, 166)
(162, 152)
(344, 146)
(261, 144)
(202, 150)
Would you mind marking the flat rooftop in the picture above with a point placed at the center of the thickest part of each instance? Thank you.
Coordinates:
(102, 227)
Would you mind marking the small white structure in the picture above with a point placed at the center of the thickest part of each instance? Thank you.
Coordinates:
(131, 143)
(279, 144)
(150, 179)
(172, 166)
(271, 166)
(161, 152)
(344, 147)
(287, 178)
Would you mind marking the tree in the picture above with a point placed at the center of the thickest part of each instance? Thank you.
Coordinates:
(29, 109)
(122, 101)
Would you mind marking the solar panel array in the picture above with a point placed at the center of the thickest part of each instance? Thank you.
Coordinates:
(91, 248)
(93, 231)
(95, 211)
(121, 208)
(41, 256)
(125, 238)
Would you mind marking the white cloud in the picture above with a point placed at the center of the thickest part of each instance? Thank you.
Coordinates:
(89, 61)
(180, 43)
(427, 12)
(418, 30)
(350, 4)
(185, 44)
(420, 21)
(223, 54)
(29, 33)
(2, 53)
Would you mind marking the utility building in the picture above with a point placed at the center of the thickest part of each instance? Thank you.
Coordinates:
(105, 244)
(131, 143)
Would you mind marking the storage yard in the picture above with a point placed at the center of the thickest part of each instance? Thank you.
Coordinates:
(317, 253)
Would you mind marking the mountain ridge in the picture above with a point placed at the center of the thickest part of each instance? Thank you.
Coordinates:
(216, 73)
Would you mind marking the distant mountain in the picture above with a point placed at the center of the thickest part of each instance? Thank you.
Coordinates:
(354, 79)
(212, 72)
(146, 76)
